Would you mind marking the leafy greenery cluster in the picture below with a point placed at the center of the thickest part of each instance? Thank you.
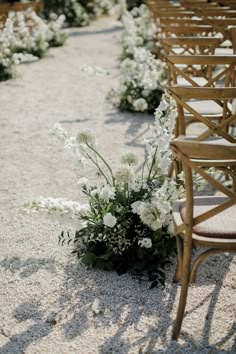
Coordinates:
(99, 252)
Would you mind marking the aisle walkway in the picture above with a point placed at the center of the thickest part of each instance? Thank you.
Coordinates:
(49, 303)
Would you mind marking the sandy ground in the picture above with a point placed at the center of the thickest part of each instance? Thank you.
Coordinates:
(48, 302)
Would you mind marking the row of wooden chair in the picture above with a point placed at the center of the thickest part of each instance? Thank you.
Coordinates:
(6, 7)
(202, 82)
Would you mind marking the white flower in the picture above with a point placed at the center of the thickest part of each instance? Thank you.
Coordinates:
(125, 174)
(145, 243)
(94, 192)
(163, 105)
(140, 105)
(136, 206)
(59, 132)
(83, 182)
(107, 193)
(109, 220)
(150, 216)
(129, 158)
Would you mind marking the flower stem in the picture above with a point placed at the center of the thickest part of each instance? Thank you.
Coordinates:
(104, 161)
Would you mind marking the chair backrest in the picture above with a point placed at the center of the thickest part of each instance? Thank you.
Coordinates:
(216, 12)
(217, 70)
(175, 13)
(190, 45)
(170, 21)
(223, 98)
(193, 155)
(186, 31)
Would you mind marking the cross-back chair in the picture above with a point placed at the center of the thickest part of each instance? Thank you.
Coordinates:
(216, 70)
(186, 31)
(5, 8)
(221, 125)
(190, 45)
(207, 221)
(168, 21)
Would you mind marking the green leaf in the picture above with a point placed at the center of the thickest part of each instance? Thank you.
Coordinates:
(153, 285)
(88, 258)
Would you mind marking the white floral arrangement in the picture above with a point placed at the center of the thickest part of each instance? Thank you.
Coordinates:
(127, 221)
(139, 31)
(78, 12)
(101, 7)
(26, 37)
(142, 81)
(34, 35)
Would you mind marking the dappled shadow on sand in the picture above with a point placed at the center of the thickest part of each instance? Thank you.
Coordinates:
(25, 268)
(96, 301)
(138, 125)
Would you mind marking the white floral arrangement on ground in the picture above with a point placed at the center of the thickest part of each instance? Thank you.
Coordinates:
(139, 31)
(26, 37)
(127, 222)
(33, 35)
(78, 12)
(142, 81)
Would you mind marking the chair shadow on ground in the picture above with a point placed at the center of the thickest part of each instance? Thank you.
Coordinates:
(26, 268)
(138, 125)
(83, 289)
(92, 32)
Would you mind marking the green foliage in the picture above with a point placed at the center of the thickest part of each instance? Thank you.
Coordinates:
(97, 245)
(133, 3)
(153, 99)
(6, 72)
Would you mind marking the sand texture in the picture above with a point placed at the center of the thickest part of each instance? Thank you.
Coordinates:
(49, 303)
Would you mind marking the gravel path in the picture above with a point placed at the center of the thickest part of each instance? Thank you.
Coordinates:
(50, 303)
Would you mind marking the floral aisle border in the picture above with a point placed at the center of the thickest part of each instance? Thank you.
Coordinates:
(78, 12)
(27, 37)
(127, 222)
(143, 76)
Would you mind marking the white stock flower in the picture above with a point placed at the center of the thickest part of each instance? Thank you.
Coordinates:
(163, 105)
(107, 193)
(60, 209)
(109, 220)
(145, 242)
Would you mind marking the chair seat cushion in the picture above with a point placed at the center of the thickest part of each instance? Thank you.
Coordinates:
(206, 107)
(222, 225)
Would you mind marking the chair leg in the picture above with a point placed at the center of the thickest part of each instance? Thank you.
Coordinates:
(184, 293)
(202, 257)
(179, 266)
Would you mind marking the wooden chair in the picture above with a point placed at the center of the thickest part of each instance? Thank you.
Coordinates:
(187, 31)
(168, 21)
(207, 221)
(5, 8)
(190, 101)
(189, 45)
(216, 70)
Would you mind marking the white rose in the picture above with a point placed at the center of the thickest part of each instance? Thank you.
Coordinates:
(109, 220)
(145, 243)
